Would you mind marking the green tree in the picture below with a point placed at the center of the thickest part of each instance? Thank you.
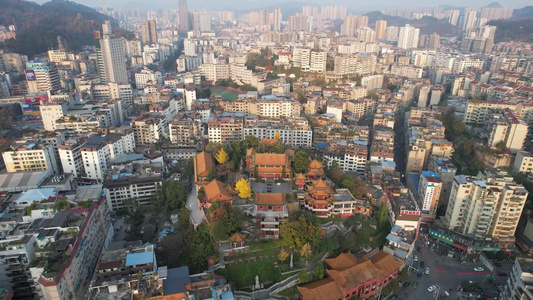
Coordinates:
(301, 161)
(501, 145)
(251, 141)
(318, 271)
(382, 218)
(459, 127)
(299, 232)
(303, 276)
(329, 244)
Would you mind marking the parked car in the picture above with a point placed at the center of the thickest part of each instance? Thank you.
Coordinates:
(431, 288)
(406, 284)
(419, 274)
(479, 269)
(400, 283)
(416, 257)
(500, 273)
(427, 270)
(415, 284)
(422, 264)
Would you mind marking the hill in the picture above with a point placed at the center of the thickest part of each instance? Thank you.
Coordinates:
(525, 12)
(427, 25)
(513, 30)
(39, 25)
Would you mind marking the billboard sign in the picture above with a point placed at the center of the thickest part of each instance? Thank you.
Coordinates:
(37, 99)
(30, 75)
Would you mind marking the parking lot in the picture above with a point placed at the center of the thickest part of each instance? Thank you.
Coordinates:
(447, 273)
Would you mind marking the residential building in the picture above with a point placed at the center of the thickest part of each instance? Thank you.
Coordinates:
(183, 131)
(143, 187)
(292, 132)
(42, 77)
(429, 189)
(408, 37)
(149, 128)
(350, 158)
(227, 127)
(99, 150)
(148, 32)
(486, 207)
(446, 170)
(146, 77)
(30, 155)
(184, 19)
(68, 277)
(508, 128)
(519, 285)
(381, 28)
(112, 64)
(523, 162)
(17, 252)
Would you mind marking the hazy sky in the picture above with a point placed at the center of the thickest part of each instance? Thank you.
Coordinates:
(249, 4)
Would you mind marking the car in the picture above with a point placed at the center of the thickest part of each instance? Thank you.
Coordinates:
(419, 249)
(479, 269)
(419, 274)
(393, 297)
(431, 288)
(416, 257)
(415, 284)
(406, 284)
(427, 270)
(400, 283)
(500, 273)
(422, 264)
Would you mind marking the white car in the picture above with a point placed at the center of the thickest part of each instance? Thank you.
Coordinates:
(479, 269)
(431, 288)
(427, 271)
(416, 257)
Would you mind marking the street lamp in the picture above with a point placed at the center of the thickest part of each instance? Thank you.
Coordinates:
(437, 291)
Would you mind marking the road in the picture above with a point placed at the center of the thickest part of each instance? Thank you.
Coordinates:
(197, 214)
(447, 273)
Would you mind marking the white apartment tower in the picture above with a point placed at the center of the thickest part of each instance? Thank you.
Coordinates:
(408, 37)
(113, 56)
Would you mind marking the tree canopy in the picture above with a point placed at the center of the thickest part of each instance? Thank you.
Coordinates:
(299, 232)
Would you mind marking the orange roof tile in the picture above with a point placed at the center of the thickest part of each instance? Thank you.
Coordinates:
(217, 191)
(300, 176)
(178, 296)
(325, 289)
(237, 238)
(203, 163)
(342, 261)
(315, 165)
(270, 159)
(270, 198)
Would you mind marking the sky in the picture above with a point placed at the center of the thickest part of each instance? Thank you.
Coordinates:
(253, 4)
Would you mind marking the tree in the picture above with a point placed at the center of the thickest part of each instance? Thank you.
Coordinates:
(306, 252)
(299, 232)
(211, 175)
(243, 187)
(303, 276)
(60, 204)
(222, 156)
(256, 172)
(277, 135)
(318, 271)
(251, 141)
(283, 255)
(301, 161)
(329, 245)
(459, 127)
(501, 145)
(383, 220)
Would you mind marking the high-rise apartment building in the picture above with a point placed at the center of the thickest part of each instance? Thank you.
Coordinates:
(469, 20)
(148, 32)
(408, 37)
(112, 56)
(429, 189)
(507, 128)
(381, 28)
(434, 41)
(298, 22)
(42, 77)
(184, 21)
(453, 16)
(277, 19)
(263, 17)
(486, 207)
(201, 20)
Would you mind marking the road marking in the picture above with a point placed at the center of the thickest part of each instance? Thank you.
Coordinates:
(440, 270)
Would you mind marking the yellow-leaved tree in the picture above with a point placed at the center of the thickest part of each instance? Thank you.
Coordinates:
(277, 135)
(243, 187)
(222, 156)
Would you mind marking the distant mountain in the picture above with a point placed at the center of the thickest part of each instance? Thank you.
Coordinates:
(523, 13)
(427, 25)
(39, 25)
(513, 30)
(494, 5)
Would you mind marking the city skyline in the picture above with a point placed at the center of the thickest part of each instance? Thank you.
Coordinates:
(241, 5)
